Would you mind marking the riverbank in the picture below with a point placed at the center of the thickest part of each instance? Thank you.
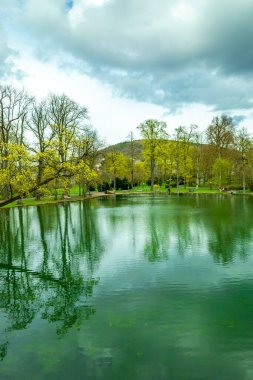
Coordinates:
(95, 194)
(45, 201)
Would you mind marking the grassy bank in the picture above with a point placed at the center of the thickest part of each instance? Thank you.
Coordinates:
(51, 200)
(145, 189)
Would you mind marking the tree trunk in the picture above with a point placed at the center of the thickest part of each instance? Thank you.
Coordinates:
(152, 172)
(243, 180)
(33, 189)
(132, 175)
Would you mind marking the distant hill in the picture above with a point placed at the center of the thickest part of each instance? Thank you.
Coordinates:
(125, 148)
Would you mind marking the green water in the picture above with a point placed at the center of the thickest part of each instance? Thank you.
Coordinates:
(129, 288)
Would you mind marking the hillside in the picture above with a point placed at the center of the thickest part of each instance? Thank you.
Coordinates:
(125, 148)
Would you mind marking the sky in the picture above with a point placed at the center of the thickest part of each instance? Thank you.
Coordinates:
(179, 61)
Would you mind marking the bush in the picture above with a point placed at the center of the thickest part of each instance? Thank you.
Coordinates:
(122, 184)
(250, 186)
(234, 187)
(104, 186)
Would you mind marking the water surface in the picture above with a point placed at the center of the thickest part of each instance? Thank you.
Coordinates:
(137, 287)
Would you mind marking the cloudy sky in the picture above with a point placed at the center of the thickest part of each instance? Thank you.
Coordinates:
(181, 61)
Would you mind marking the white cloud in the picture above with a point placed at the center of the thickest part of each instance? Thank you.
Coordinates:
(113, 117)
(6, 55)
(129, 61)
(184, 12)
(93, 3)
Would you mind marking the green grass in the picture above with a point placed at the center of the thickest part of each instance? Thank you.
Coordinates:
(182, 189)
(74, 190)
(43, 201)
(30, 202)
(74, 193)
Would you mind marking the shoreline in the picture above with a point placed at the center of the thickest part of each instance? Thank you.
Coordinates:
(95, 195)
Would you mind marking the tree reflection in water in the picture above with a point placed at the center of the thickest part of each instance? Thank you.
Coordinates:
(218, 224)
(43, 270)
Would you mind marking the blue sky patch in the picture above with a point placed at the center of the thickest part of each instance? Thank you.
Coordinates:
(69, 4)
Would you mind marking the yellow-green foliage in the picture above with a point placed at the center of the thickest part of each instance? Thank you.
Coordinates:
(17, 171)
(116, 164)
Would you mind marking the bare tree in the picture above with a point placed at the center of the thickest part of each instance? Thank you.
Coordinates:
(132, 154)
(220, 133)
(14, 106)
(66, 118)
(42, 136)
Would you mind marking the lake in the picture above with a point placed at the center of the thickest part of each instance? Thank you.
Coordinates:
(133, 287)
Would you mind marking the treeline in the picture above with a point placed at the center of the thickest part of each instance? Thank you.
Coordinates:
(50, 145)
(219, 157)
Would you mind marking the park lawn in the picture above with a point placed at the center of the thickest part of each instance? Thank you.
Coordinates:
(74, 194)
(163, 189)
(43, 201)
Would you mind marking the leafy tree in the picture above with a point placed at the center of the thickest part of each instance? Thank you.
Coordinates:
(140, 172)
(208, 158)
(183, 142)
(221, 134)
(165, 159)
(115, 165)
(88, 146)
(221, 170)
(243, 144)
(153, 132)
(17, 173)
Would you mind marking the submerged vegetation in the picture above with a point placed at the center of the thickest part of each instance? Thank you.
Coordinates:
(48, 148)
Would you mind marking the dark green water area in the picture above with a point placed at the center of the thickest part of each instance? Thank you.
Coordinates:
(141, 287)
